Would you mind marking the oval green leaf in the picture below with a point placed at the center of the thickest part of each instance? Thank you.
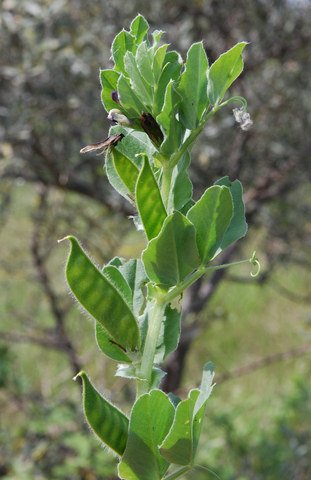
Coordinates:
(106, 421)
(121, 44)
(149, 201)
(126, 170)
(128, 99)
(109, 81)
(139, 85)
(150, 421)
(101, 298)
(173, 254)
(238, 226)
(211, 216)
(181, 443)
(108, 346)
(224, 72)
(193, 87)
(139, 28)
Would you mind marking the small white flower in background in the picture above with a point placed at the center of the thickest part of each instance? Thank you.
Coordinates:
(243, 117)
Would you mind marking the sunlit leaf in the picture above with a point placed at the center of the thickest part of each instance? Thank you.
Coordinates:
(149, 201)
(181, 185)
(128, 99)
(139, 28)
(193, 86)
(121, 44)
(144, 59)
(170, 71)
(114, 178)
(169, 334)
(158, 61)
(172, 255)
(181, 443)
(150, 422)
(211, 216)
(139, 85)
(109, 81)
(224, 72)
(167, 120)
(126, 170)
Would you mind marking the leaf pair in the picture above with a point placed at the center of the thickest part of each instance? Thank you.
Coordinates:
(160, 434)
(186, 242)
(106, 297)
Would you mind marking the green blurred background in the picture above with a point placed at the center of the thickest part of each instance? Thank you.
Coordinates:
(257, 332)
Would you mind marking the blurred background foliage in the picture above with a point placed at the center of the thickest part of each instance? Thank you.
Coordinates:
(257, 332)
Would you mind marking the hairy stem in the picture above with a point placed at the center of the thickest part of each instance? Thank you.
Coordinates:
(176, 291)
(154, 325)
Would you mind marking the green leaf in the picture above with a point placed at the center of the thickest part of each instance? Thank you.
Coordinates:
(144, 59)
(211, 216)
(181, 185)
(109, 81)
(104, 340)
(167, 120)
(172, 255)
(169, 334)
(181, 443)
(150, 421)
(128, 99)
(115, 277)
(101, 298)
(193, 87)
(158, 61)
(156, 37)
(126, 170)
(224, 72)
(177, 447)
(139, 28)
(133, 143)
(135, 275)
(106, 421)
(122, 43)
(114, 178)
(170, 72)
(149, 201)
(108, 346)
(140, 87)
(238, 226)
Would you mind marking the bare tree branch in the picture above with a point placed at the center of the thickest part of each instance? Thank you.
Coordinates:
(265, 362)
(58, 313)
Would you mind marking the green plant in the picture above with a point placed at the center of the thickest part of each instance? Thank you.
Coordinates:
(159, 106)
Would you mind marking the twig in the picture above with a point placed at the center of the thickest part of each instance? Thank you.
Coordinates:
(59, 314)
(264, 362)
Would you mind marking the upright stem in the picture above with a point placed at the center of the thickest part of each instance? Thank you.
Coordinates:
(166, 183)
(154, 325)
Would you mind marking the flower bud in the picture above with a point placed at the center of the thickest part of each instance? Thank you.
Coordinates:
(116, 116)
(151, 127)
(115, 96)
